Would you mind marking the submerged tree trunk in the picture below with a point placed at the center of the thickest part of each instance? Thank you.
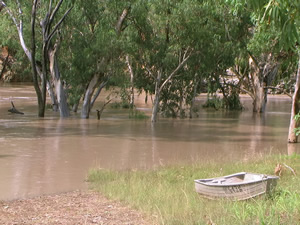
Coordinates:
(156, 98)
(292, 138)
(259, 95)
(102, 85)
(47, 34)
(262, 77)
(86, 106)
(40, 93)
(58, 85)
(196, 83)
(131, 82)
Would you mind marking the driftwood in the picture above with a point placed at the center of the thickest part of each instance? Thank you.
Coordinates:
(14, 110)
(99, 112)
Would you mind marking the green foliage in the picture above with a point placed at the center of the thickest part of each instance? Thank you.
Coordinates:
(297, 118)
(214, 102)
(232, 101)
(285, 15)
(136, 114)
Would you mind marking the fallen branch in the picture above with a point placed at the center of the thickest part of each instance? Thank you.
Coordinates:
(14, 110)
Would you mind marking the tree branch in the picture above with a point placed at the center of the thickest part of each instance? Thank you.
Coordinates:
(121, 20)
(285, 92)
(58, 24)
(186, 56)
(151, 74)
(19, 27)
(51, 17)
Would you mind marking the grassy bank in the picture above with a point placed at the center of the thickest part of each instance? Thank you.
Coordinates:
(168, 194)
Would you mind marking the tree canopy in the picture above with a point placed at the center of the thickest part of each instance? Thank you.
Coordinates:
(171, 50)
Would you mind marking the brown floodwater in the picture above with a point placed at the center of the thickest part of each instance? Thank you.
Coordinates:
(52, 155)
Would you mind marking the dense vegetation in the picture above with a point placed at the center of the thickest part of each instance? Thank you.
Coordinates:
(170, 50)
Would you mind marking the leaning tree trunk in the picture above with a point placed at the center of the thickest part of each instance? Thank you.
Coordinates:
(99, 89)
(86, 107)
(292, 138)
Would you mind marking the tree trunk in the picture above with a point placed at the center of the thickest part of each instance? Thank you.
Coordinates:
(131, 82)
(86, 107)
(159, 87)
(39, 93)
(60, 91)
(75, 106)
(260, 94)
(102, 85)
(197, 81)
(181, 104)
(5, 62)
(156, 98)
(292, 138)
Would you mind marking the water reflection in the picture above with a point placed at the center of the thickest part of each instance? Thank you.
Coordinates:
(50, 155)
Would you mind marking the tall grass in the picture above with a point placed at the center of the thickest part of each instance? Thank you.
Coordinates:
(167, 194)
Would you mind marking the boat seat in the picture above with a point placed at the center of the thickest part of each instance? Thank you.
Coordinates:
(218, 181)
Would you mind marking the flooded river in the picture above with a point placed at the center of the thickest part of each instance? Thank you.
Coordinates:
(52, 155)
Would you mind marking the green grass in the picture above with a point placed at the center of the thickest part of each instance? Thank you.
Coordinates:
(167, 194)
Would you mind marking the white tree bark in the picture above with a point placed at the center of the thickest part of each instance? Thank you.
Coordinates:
(59, 88)
(131, 81)
(155, 107)
(292, 138)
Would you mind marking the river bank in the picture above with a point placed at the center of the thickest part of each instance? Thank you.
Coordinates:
(169, 192)
(69, 208)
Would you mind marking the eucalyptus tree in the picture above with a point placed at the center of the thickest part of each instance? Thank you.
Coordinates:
(93, 48)
(258, 64)
(178, 43)
(39, 58)
(284, 15)
(259, 61)
(156, 46)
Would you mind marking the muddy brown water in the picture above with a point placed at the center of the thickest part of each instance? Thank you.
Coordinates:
(53, 155)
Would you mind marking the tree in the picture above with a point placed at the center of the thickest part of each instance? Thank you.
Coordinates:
(286, 17)
(94, 51)
(259, 60)
(40, 68)
(213, 32)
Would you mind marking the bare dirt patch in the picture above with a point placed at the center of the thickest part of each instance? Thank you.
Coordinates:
(69, 208)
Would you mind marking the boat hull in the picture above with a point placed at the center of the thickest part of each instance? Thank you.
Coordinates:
(235, 191)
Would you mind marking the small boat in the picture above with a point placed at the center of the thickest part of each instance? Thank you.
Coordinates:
(238, 186)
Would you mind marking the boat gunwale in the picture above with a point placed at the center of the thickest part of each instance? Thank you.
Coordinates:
(264, 178)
